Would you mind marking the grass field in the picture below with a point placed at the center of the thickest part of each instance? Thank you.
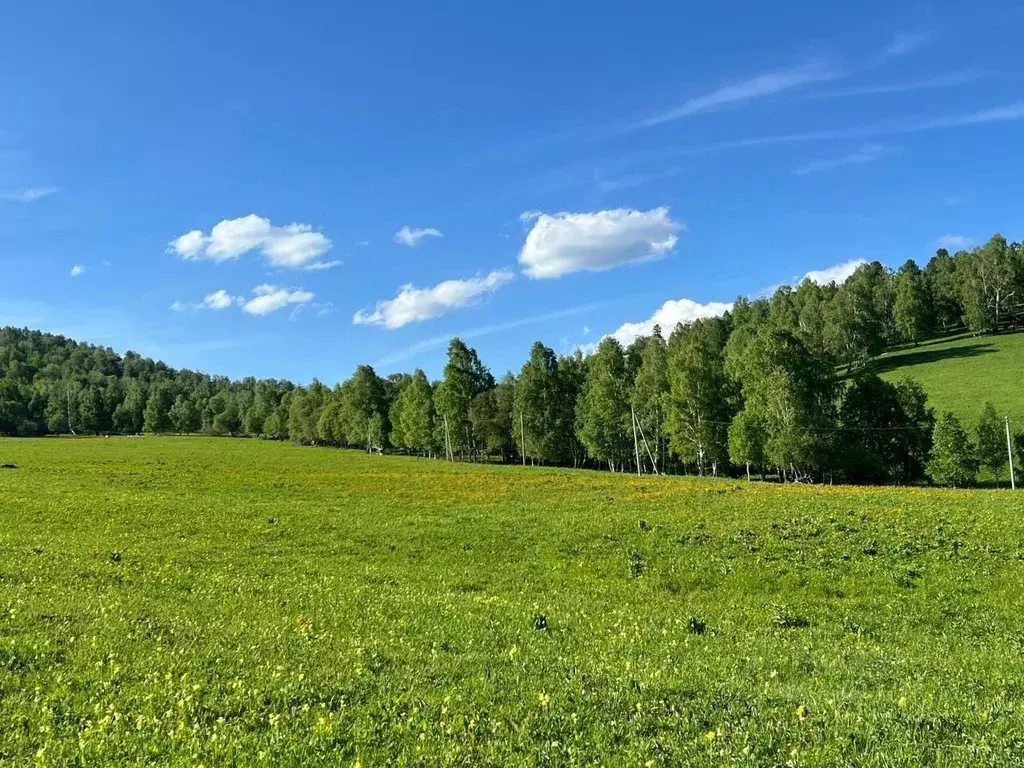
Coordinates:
(195, 601)
(962, 373)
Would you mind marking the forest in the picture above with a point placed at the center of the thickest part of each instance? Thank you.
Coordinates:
(779, 386)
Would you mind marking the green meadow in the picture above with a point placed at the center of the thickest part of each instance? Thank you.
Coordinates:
(216, 602)
(962, 373)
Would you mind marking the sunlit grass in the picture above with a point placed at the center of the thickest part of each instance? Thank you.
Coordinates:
(232, 602)
(961, 374)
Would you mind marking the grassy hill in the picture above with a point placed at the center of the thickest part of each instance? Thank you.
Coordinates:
(962, 373)
(185, 601)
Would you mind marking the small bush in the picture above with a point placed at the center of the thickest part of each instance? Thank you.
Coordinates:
(637, 564)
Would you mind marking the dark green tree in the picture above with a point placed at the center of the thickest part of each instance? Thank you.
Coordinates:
(156, 416)
(699, 395)
(911, 311)
(603, 420)
(650, 395)
(954, 458)
(991, 441)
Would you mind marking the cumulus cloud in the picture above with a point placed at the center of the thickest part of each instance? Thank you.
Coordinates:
(412, 237)
(837, 273)
(414, 305)
(28, 195)
(270, 298)
(295, 246)
(668, 315)
(77, 270)
(266, 299)
(218, 300)
(562, 243)
(953, 242)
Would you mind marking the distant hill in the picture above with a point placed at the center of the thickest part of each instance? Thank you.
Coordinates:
(961, 373)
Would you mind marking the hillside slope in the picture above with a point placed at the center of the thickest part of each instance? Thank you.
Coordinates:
(962, 373)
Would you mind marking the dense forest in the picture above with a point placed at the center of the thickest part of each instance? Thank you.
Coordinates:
(776, 386)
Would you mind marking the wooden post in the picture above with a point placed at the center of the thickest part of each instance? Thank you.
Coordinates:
(636, 443)
(1009, 450)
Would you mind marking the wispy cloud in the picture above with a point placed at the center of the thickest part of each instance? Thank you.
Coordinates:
(953, 242)
(437, 342)
(866, 154)
(904, 43)
(1008, 113)
(27, 195)
(77, 270)
(633, 180)
(766, 84)
(947, 80)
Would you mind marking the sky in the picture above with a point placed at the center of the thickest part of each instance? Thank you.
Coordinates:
(289, 190)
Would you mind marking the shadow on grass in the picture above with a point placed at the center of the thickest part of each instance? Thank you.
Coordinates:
(921, 356)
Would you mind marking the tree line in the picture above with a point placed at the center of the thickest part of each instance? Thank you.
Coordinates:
(777, 386)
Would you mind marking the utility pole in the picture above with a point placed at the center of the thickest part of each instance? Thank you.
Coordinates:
(522, 434)
(1009, 451)
(636, 444)
(654, 462)
(67, 390)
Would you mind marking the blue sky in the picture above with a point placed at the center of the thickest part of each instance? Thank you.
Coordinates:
(287, 190)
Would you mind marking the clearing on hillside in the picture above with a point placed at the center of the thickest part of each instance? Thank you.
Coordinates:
(234, 602)
(962, 373)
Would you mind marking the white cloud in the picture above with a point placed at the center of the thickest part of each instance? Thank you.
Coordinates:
(486, 330)
(527, 216)
(766, 84)
(866, 154)
(77, 270)
(316, 266)
(270, 298)
(28, 195)
(837, 273)
(562, 243)
(219, 300)
(1007, 113)
(190, 245)
(414, 305)
(668, 315)
(953, 242)
(947, 80)
(907, 42)
(412, 237)
(294, 246)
